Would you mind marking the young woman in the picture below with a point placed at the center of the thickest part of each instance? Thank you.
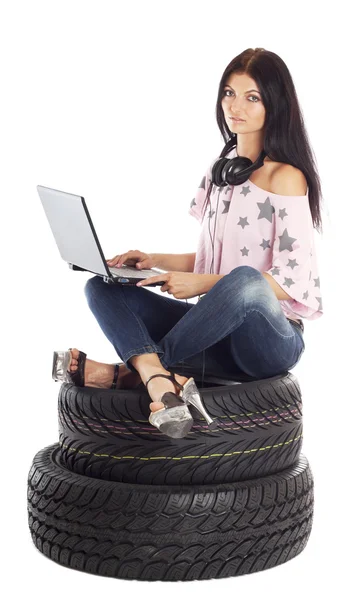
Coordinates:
(255, 265)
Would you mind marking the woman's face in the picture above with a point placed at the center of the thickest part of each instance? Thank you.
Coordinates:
(242, 99)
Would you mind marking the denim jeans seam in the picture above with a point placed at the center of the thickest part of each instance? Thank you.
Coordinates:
(139, 325)
(259, 312)
(142, 350)
(298, 359)
(269, 322)
(299, 332)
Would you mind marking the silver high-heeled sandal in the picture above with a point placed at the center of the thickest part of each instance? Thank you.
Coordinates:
(61, 368)
(175, 419)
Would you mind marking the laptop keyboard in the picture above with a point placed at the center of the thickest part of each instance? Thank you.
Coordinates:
(132, 272)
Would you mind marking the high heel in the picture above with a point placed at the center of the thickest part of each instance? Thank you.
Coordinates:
(175, 419)
(61, 365)
(192, 396)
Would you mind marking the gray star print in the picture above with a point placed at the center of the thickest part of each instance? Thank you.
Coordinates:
(288, 281)
(203, 183)
(193, 203)
(211, 213)
(275, 271)
(226, 206)
(265, 244)
(292, 263)
(243, 222)
(266, 210)
(286, 241)
(317, 282)
(305, 296)
(282, 213)
(320, 301)
(244, 251)
(245, 190)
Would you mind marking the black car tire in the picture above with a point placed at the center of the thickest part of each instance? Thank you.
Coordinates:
(168, 533)
(106, 434)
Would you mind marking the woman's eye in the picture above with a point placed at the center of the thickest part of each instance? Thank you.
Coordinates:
(256, 97)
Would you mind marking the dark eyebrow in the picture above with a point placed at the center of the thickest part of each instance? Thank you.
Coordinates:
(244, 92)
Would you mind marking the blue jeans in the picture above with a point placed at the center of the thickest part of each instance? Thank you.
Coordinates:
(239, 324)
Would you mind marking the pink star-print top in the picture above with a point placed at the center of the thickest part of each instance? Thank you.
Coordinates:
(270, 232)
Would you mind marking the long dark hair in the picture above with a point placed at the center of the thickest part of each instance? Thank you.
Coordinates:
(285, 136)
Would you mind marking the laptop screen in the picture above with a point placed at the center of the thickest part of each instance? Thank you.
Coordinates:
(73, 230)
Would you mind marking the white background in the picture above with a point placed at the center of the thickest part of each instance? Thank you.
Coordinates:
(118, 104)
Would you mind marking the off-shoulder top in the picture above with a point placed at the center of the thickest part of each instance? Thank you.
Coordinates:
(271, 232)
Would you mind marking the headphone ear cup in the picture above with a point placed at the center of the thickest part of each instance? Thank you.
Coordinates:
(217, 171)
(234, 171)
(238, 170)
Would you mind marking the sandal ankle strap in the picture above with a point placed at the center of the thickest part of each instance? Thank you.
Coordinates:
(171, 377)
(115, 379)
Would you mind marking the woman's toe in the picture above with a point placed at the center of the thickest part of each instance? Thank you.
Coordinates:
(74, 360)
(154, 406)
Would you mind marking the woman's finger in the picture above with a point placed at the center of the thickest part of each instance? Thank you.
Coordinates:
(112, 259)
(117, 259)
(120, 260)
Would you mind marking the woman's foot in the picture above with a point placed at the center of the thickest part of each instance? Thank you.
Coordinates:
(101, 375)
(159, 385)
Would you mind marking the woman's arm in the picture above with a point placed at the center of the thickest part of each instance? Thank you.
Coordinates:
(175, 262)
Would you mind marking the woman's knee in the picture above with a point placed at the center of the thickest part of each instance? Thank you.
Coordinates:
(247, 279)
(251, 287)
(246, 273)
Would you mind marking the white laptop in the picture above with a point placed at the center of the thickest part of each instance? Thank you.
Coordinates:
(78, 242)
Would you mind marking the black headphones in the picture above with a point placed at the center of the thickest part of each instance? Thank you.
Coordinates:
(229, 171)
(234, 171)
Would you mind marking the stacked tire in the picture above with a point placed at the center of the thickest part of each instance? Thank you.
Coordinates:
(118, 498)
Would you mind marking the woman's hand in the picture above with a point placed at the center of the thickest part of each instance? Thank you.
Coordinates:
(181, 285)
(132, 258)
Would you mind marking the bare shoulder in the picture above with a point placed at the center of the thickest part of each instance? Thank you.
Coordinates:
(287, 180)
